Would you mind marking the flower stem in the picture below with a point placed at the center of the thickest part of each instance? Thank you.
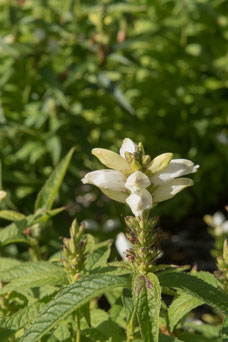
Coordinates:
(131, 327)
(78, 336)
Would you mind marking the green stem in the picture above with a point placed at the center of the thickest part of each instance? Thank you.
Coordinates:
(131, 327)
(36, 251)
(78, 336)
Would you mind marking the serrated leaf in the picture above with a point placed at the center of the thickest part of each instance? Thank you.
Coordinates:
(11, 215)
(208, 277)
(24, 316)
(50, 189)
(7, 263)
(147, 301)
(35, 280)
(198, 288)
(186, 302)
(14, 232)
(180, 307)
(70, 299)
(27, 268)
(99, 256)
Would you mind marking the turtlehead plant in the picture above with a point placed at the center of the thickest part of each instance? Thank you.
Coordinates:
(71, 284)
(138, 180)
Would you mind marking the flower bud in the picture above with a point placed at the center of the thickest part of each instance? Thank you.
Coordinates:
(131, 222)
(146, 160)
(135, 165)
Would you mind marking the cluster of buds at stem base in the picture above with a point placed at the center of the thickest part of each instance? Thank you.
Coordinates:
(74, 250)
(144, 235)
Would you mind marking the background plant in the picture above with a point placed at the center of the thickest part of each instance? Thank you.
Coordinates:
(91, 74)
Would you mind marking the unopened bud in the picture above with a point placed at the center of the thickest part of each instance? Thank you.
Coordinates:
(135, 165)
(129, 156)
(131, 222)
(141, 148)
(74, 228)
(146, 160)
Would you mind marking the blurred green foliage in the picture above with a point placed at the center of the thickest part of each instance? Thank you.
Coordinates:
(89, 74)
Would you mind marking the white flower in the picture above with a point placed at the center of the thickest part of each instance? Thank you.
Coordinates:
(139, 201)
(127, 146)
(106, 179)
(122, 244)
(129, 178)
(166, 182)
(3, 194)
(218, 222)
(137, 181)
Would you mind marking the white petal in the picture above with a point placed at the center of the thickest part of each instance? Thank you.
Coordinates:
(218, 218)
(225, 227)
(111, 159)
(160, 162)
(137, 181)
(176, 168)
(122, 244)
(3, 194)
(118, 196)
(106, 179)
(127, 146)
(139, 201)
(168, 190)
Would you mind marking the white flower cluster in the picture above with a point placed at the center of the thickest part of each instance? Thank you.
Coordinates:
(143, 188)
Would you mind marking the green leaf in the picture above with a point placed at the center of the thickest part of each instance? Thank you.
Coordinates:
(198, 288)
(188, 337)
(70, 299)
(224, 331)
(207, 330)
(11, 215)
(106, 331)
(128, 303)
(180, 307)
(99, 256)
(147, 301)
(105, 82)
(85, 310)
(50, 189)
(7, 263)
(35, 280)
(166, 338)
(24, 316)
(14, 232)
(186, 302)
(27, 268)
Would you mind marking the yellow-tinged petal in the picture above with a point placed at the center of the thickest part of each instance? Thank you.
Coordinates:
(111, 159)
(209, 220)
(169, 189)
(160, 162)
(3, 194)
(118, 196)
